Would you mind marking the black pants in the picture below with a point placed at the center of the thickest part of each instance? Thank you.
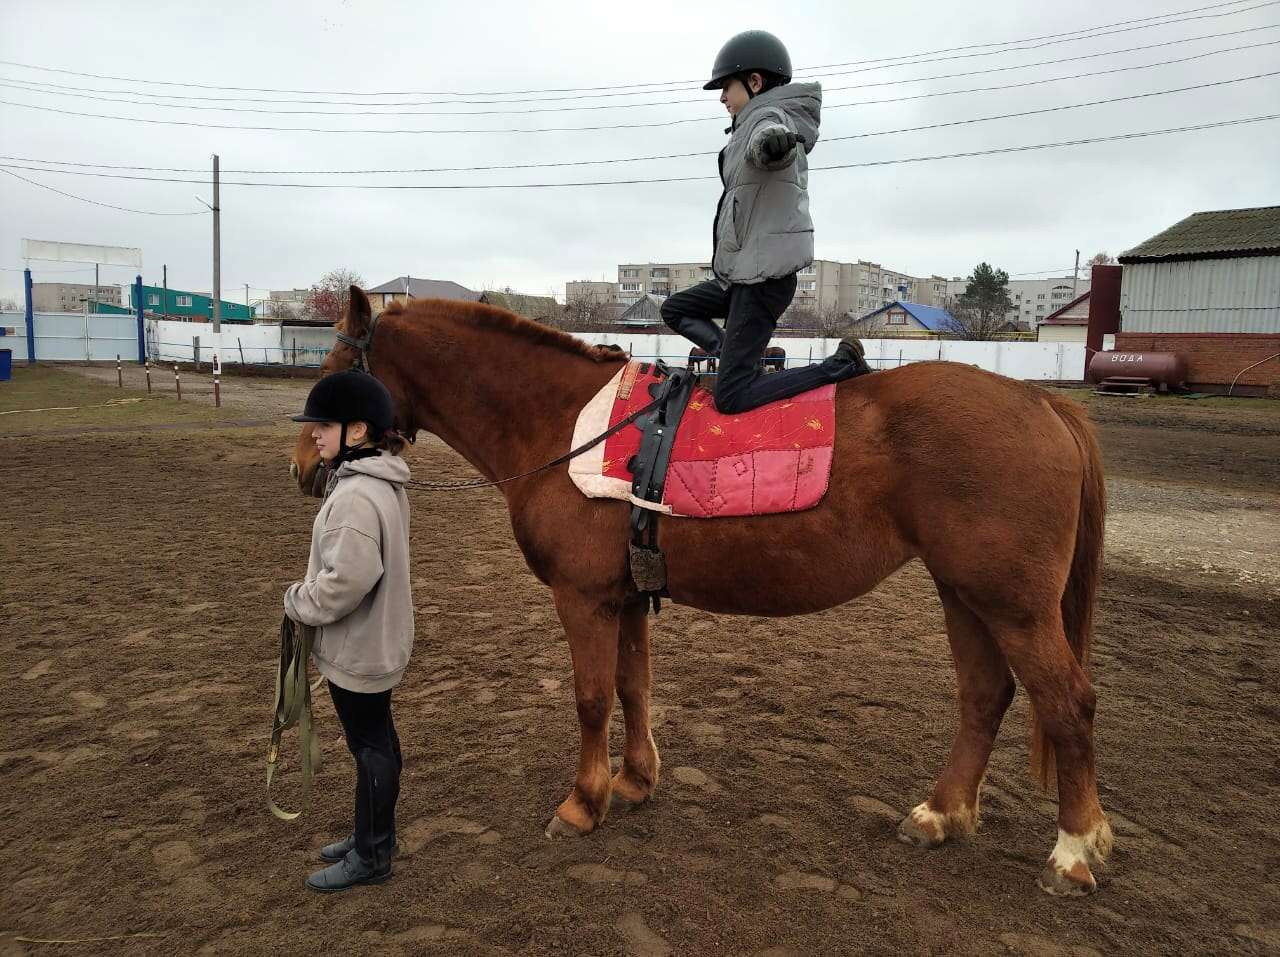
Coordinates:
(373, 742)
(751, 315)
(366, 721)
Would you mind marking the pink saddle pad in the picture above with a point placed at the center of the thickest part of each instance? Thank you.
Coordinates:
(776, 458)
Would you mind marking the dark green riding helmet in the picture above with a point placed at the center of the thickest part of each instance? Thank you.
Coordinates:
(350, 396)
(755, 51)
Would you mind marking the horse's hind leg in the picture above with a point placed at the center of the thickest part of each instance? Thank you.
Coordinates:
(1036, 647)
(984, 689)
(592, 633)
(636, 779)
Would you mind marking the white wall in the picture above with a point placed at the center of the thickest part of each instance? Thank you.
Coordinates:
(169, 340)
(1031, 361)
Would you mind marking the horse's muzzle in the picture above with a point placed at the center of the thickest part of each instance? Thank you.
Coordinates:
(313, 484)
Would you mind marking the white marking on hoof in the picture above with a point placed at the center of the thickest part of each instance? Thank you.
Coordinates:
(923, 827)
(1068, 870)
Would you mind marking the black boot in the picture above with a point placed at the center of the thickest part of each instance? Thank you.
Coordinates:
(369, 860)
(340, 849)
(702, 333)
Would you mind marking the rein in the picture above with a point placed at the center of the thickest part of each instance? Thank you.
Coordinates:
(362, 363)
(571, 454)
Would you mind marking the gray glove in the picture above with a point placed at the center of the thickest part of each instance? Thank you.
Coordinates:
(777, 144)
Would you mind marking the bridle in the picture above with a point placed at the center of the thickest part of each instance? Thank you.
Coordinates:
(362, 344)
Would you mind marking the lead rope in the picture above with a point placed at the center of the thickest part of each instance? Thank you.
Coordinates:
(293, 708)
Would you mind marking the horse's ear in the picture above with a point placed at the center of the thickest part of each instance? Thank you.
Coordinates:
(359, 310)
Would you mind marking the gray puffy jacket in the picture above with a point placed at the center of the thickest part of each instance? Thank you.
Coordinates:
(763, 229)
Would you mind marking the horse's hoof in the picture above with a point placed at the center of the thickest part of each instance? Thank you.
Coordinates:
(920, 829)
(621, 803)
(559, 828)
(1075, 884)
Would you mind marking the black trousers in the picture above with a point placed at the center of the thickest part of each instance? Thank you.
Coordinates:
(372, 740)
(751, 315)
(366, 721)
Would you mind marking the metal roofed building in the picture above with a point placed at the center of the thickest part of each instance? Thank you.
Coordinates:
(1208, 288)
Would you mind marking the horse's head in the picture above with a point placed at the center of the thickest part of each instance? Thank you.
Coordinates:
(354, 344)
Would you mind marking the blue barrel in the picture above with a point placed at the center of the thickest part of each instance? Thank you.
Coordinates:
(6, 364)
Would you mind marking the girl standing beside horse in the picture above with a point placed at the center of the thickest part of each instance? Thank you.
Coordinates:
(356, 595)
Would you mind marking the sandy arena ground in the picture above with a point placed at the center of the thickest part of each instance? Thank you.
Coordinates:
(143, 570)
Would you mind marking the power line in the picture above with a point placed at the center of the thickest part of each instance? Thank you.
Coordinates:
(1054, 79)
(90, 93)
(629, 126)
(122, 209)
(1068, 36)
(632, 159)
(674, 179)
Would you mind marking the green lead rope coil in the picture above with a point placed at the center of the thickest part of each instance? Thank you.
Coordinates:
(293, 709)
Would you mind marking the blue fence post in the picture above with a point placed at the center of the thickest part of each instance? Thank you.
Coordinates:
(137, 301)
(31, 318)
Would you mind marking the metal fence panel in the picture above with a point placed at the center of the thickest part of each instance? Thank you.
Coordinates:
(1206, 296)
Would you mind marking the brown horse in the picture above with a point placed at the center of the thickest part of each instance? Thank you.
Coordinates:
(774, 359)
(699, 355)
(995, 485)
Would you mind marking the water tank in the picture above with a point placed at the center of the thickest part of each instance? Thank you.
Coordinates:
(1162, 370)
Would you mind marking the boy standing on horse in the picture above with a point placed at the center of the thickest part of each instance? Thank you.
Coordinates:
(763, 234)
(356, 595)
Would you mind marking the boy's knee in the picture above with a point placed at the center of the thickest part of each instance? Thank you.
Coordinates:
(669, 315)
(728, 400)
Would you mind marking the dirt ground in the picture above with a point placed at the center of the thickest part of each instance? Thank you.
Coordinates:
(143, 569)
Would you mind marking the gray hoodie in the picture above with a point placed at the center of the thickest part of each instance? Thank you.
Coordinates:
(356, 592)
(763, 229)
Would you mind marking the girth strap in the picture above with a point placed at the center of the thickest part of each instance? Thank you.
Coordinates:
(293, 708)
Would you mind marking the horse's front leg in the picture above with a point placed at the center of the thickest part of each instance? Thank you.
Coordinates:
(592, 632)
(638, 777)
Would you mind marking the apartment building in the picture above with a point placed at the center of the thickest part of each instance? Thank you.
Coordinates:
(586, 290)
(72, 296)
(1033, 299)
(824, 286)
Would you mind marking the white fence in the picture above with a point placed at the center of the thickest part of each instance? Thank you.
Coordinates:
(70, 336)
(260, 344)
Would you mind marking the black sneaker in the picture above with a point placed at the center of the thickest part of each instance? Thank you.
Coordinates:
(850, 350)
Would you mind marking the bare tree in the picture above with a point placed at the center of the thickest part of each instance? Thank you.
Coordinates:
(8, 304)
(1098, 259)
(828, 322)
(580, 314)
(327, 300)
(969, 320)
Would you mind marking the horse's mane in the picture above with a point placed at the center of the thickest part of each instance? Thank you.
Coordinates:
(478, 313)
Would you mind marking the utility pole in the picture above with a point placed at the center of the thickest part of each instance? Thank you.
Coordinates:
(217, 261)
(1075, 275)
(164, 310)
(246, 300)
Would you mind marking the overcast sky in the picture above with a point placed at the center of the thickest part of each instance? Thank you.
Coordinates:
(1025, 212)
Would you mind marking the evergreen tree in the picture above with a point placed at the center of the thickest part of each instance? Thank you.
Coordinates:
(983, 309)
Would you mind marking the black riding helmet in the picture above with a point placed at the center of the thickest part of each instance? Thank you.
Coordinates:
(350, 396)
(755, 51)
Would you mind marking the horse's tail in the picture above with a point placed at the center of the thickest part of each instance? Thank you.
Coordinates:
(1086, 564)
